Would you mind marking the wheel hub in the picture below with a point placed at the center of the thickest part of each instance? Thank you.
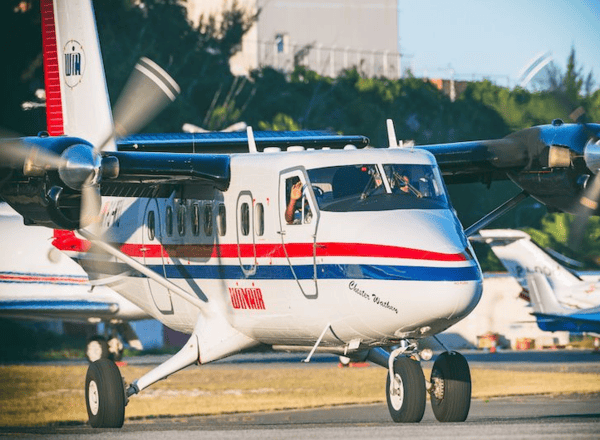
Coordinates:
(437, 382)
(93, 397)
(396, 392)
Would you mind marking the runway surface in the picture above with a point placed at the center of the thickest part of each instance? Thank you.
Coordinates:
(574, 416)
(518, 417)
(579, 361)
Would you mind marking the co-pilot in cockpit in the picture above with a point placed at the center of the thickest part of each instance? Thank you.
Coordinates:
(378, 187)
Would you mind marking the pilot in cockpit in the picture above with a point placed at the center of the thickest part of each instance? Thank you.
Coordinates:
(293, 213)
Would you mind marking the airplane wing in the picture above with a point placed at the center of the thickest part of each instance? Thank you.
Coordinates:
(579, 323)
(37, 281)
(55, 308)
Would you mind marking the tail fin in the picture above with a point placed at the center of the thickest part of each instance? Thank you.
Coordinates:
(77, 101)
(542, 296)
(521, 257)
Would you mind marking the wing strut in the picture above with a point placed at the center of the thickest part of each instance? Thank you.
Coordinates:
(195, 301)
(496, 213)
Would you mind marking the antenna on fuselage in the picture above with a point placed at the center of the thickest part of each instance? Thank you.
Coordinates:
(392, 141)
(251, 141)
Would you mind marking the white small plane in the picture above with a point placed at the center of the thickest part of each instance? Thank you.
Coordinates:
(522, 258)
(561, 299)
(39, 282)
(362, 258)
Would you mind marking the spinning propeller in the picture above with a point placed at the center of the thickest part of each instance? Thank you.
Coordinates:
(589, 201)
(149, 90)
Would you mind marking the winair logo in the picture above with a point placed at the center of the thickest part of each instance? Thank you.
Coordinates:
(246, 298)
(74, 59)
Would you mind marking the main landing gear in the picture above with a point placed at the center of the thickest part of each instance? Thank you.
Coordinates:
(406, 387)
(110, 345)
(105, 395)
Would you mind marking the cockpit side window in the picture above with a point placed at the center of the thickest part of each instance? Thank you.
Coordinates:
(377, 187)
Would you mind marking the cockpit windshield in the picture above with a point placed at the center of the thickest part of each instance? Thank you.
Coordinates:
(378, 187)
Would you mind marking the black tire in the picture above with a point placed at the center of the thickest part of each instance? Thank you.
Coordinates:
(409, 405)
(451, 387)
(104, 395)
(96, 348)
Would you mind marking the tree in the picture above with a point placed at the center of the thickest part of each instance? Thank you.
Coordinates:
(196, 57)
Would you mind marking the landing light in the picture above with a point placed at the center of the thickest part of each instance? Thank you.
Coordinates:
(426, 354)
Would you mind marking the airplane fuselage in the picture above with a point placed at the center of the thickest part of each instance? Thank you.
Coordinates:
(375, 265)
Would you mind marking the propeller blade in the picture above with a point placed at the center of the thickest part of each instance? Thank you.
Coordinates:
(91, 203)
(148, 91)
(586, 206)
(18, 154)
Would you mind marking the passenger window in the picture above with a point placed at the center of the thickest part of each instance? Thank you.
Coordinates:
(151, 225)
(259, 219)
(195, 219)
(181, 220)
(169, 221)
(222, 220)
(208, 220)
(245, 218)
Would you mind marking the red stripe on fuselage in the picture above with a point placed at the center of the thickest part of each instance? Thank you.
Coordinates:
(67, 241)
(54, 113)
(51, 279)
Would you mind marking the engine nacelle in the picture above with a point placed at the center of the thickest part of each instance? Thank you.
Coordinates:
(46, 187)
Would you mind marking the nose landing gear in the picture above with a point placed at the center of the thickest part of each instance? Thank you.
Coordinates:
(406, 391)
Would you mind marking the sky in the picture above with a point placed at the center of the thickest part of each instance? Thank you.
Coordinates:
(496, 38)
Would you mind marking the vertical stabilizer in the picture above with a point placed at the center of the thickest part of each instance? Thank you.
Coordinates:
(543, 299)
(521, 257)
(76, 93)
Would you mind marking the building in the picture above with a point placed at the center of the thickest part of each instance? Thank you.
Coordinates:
(326, 37)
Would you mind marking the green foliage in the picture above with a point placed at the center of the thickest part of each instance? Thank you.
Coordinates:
(555, 232)
(281, 122)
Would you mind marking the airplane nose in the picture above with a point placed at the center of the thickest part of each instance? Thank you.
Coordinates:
(424, 279)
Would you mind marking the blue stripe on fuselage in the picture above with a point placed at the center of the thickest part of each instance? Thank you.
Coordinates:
(324, 271)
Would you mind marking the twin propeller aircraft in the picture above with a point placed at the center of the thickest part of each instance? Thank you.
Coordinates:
(308, 241)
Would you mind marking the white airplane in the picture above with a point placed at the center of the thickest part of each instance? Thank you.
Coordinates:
(373, 260)
(39, 282)
(522, 258)
(561, 300)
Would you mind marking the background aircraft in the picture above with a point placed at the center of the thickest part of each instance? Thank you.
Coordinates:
(521, 257)
(561, 299)
(39, 282)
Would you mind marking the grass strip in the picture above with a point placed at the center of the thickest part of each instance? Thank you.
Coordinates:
(41, 395)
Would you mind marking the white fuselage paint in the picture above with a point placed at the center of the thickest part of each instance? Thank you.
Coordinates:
(380, 275)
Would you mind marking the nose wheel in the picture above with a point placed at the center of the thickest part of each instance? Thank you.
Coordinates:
(450, 387)
(406, 391)
(105, 395)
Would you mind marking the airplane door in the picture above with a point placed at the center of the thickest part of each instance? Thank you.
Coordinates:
(152, 249)
(299, 232)
(245, 233)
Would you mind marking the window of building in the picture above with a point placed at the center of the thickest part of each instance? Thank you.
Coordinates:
(282, 43)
